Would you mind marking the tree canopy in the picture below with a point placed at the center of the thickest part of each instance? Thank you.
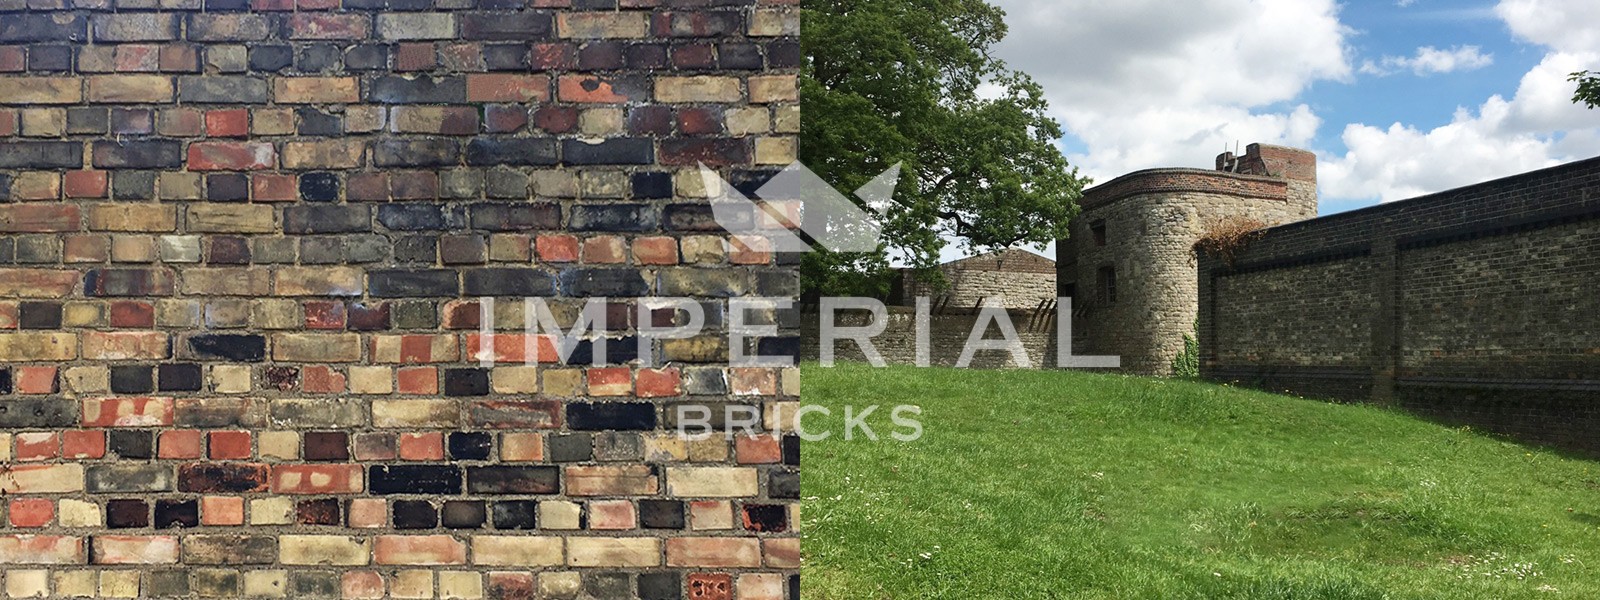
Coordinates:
(913, 82)
(1588, 92)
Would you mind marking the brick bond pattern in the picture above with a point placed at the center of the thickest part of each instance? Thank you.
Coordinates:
(1474, 306)
(239, 244)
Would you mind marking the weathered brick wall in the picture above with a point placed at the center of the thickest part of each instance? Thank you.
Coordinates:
(241, 245)
(1013, 278)
(1475, 305)
(1151, 221)
(947, 336)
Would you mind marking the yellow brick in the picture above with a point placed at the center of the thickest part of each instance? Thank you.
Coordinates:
(230, 218)
(181, 186)
(28, 583)
(272, 121)
(119, 584)
(412, 584)
(44, 122)
(41, 90)
(613, 552)
(77, 513)
(75, 584)
(460, 585)
(326, 154)
(316, 347)
(711, 482)
(335, 550)
(42, 346)
(266, 584)
(515, 380)
(230, 379)
(749, 120)
(239, 281)
(777, 150)
(564, 584)
(603, 24)
(272, 511)
(774, 88)
(562, 382)
(319, 281)
(371, 380)
(130, 89)
(415, 413)
(319, 90)
(558, 514)
(494, 550)
(282, 445)
(700, 88)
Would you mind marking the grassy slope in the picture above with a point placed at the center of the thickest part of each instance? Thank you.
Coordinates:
(1041, 484)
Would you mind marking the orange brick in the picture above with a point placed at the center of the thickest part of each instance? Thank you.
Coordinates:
(659, 383)
(37, 446)
(521, 447)
(500, 87)
(317, 479)
(127, 412)
(422, 446)
(222, 510)
(85, 184)
(31, 512)
(419, 550)
(180, 443)
(80, 444)
(274, 187)
(714, 552)
(758, 449)
(230, 445)
(37, 380)
(228, 123)
(609, 381)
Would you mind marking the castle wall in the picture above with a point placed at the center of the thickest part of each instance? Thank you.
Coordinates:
(947, 335)
(1015, 284)
(1152, 220)
(1474, 305)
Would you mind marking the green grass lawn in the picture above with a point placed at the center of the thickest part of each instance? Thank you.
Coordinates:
(1050, 484)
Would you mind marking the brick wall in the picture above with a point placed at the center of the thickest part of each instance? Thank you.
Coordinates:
(241, 244)
(1474, 305)
(1014, 278)
(947, 336)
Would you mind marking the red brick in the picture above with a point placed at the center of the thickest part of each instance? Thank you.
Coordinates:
(133, 314)
(415, 57)
(31, 512)
(588, 89)
(222, 510)
(505, 118)
(39, 218)
(554, 56)
(231, 156)
(12, 59)
(612, 515)
(34, 446)
(512, 348)
(557, 248)
(180, 443)
(422, 446)
(179, 59)
(502, 87)
(234, 122)
(316, 379)
(124, 345)
(135, 549)
(659, 383)
(325, 314)
(418, 380)
(609, 381)
(35, 283)
(272, 5)
(710, 586)
(79, 444)
(274, 187)
(658, 250)
(418, 550)
(328, 27)
(129, 412)
(85, 184)
(229, 445)
(556, 119)
(317, 479)
(36, 380)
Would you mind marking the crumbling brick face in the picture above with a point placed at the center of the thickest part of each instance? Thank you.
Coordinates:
(242, 247)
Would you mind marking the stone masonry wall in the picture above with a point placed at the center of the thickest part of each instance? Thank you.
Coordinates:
(241, 247)
(1474, 306)
(1016, 278)
(947, 335)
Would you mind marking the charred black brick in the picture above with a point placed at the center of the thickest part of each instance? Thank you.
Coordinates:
(614, 217)
(322, 511)
(416, 153)
(620, 416)
(511, 151)
(516, 217)
(410, 283)
(227, 250)
(615, 151)
(227, 187)
(585, 282)
(229, 346)
(784, 485)
(177, 513)
(50, 58)
(222, 89)
(38, 412)
(608, 585)
(366, 57)
(783, 54)
(663, 586)
(39, 315)
(322, 250)
(227, 5)
(132, 379)
(739, 56)
(602, 55)
(417, 314)
(515, 514)
(366, 248)
(695, 217)
(647, 56)
(326, 446)
(421, 249)
(514, 480)
(466, 249)
(115, 478)
(506, 57)
(133, 185)
(146, 154)
(232, 478)
(319, 187)
(88, 120)
(395, 89)
(652, 184)
(271, 58)
(41, 155)
(768, 518)
(714, 152)
(779, 347)
(131, 443)
(528, 25)
(661, 514)
(509, 282)
(315, 218)
(316, 122)
(570, 447)
(791, 450)
(5, 381)
(414, 479)
(469, 445)
(415, 514)
(464, 514)
(466, 382)
(319, 57)
(179, 378)
(45, 26)
(420, 217)
(127, 514)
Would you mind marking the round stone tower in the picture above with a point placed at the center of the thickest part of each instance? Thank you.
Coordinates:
(1129, 264)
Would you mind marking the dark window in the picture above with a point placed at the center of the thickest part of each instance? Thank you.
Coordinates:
(1098, 229)
(1108, 284)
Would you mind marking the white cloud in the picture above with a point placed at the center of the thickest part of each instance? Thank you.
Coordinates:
(1404, 3)
(1537, 127)
(1146, 83)
(1429, 60)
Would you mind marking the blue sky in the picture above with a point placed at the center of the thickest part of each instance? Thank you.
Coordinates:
(1398, 97)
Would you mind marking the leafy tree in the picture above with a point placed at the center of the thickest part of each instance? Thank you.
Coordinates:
(1588, 88)
(912, 82)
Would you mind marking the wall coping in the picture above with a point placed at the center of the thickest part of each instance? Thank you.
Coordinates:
(1209, 181)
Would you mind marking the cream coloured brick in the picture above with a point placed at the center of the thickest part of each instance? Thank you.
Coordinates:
(613, 552)
(699, 88)
(460, 585)
(272, 511)
(371, 380)
(495, 550)
(563, 584)
(78, 513)
(412, 584)
(337, 550)
(558, 514)
(777, 150)
(749, 120)
(282, 445)
(119, 584)
(27, 583)
(266, 584)
(711, 482)
(75, 584)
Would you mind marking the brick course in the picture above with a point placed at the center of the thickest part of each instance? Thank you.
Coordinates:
(235, 238)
